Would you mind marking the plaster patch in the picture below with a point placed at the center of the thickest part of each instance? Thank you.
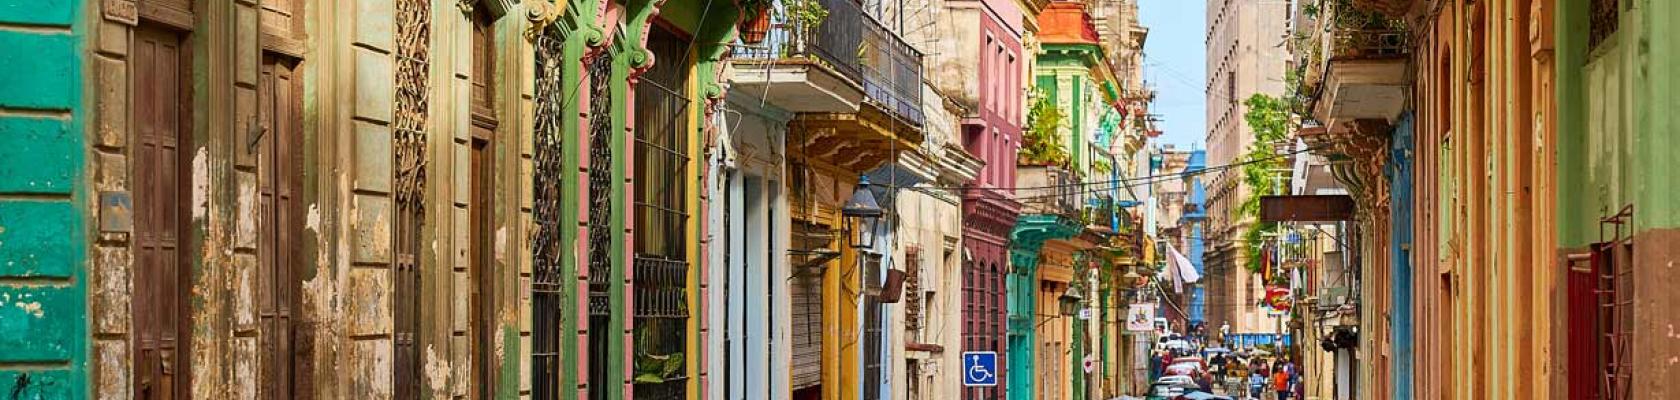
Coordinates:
(312, 218)
(32, 308)
(437, 370)
(501, 243)
(200, 184)
(499, 340)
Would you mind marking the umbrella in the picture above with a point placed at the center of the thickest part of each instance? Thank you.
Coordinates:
(1216, 350)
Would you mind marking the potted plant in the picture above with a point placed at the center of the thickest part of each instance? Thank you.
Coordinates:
(757, 24)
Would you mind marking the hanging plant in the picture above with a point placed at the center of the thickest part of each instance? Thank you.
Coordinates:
(757, 24)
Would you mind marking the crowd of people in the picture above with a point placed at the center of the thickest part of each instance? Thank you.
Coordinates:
(1242, 375)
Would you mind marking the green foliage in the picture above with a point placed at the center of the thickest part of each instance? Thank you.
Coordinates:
(806, 14)
(1272, 120)
(1042, 144)
(651, 368)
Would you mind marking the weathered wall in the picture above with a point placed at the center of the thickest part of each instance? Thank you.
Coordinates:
(1616, 138)
(44, 223)
(930, 224)
(1480, 272)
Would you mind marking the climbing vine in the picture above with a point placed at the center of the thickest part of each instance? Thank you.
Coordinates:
(1272, 119)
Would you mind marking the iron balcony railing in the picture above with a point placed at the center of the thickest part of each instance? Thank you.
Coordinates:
(1048, 189)
(834, 42)
(857, 46)
(892, 71)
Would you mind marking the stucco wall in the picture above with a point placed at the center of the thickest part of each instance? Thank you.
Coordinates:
(44, 222)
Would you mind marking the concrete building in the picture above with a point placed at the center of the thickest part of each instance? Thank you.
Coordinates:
(992, 113)
(372, 204)
(1245, 56)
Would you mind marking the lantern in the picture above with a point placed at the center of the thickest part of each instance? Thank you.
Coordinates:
(861, 213)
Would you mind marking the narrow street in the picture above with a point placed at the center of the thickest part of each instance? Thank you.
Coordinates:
(839, 199)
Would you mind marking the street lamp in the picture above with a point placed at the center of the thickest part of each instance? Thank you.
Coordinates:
(1070, 303)
(861, 213)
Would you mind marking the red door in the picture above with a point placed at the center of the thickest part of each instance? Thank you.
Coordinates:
(159, 272)
(1583, 369)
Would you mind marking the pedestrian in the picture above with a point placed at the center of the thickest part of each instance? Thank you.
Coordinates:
(1280, 382)
(1256, 383)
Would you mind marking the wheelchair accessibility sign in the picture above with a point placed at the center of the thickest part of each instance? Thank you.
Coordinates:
(979, 368)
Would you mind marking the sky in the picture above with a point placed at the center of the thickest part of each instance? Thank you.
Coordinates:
(1175, 65)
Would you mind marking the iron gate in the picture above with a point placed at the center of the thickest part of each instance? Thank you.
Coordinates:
(548, 310)
(600, 220)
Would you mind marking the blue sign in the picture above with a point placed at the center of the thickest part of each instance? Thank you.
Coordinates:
(979, 368)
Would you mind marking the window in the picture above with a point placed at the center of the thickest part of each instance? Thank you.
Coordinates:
(160, 282)
(914, 312)
(661, 215)
(480, 225)
(1604, 19)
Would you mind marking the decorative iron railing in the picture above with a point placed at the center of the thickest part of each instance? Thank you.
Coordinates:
(599, 197)
(1369, 43)
(892, 71)
(854, 44)
(1048, 189)
(547, 248)
(834, 42)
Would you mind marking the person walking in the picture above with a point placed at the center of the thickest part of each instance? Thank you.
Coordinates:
(1256, 383)
(1280, 382)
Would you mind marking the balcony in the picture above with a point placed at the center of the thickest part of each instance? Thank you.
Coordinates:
(1050, 190)
(807, 70)
(892, 71)
(832, 68)
(1360, 60)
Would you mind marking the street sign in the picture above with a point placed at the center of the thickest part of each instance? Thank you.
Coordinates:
(1085, 314)
(979, 368)
(1140, 317)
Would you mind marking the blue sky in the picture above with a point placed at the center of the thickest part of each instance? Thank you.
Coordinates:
(1174, 64)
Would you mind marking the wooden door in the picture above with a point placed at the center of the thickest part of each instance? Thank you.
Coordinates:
(483, 298)
(160, 290)
(481, 272)
(278, 178)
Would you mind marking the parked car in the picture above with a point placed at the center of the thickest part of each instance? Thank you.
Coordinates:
(1170, 388)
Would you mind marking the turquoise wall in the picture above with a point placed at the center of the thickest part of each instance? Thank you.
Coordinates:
(43, 246)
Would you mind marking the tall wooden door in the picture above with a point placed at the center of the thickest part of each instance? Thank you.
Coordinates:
(278, 179)
(481, 215)
(160, 294)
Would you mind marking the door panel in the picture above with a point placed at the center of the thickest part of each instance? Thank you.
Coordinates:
(159, 365)
(278, 179)
(483, 320)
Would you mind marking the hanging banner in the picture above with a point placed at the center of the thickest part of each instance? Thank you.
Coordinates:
(1278, 299)
(1140, 317)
